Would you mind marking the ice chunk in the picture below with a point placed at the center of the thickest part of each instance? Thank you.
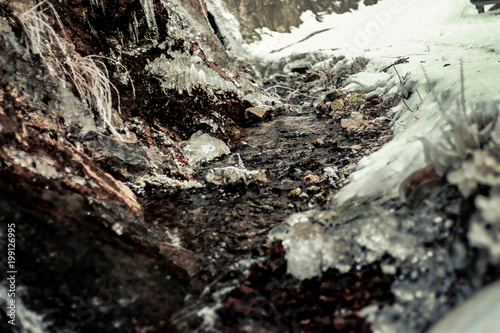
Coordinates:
(202, 148)
(162, 182)
(304, 256)
(257, 99)
(118, 228)
(185, 73)
(231, 176)
(480, 237)
(382, 237)
(490, 207)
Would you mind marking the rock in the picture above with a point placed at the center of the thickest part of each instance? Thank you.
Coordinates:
(313, 189)
(257, 114)
(123, 160)
(234, 176)
(327, 106)
(353, 123)
(89, 258)
(319, 142)
(309, 179)
(379, 121)
(334, 95)
(95, 262)
(336, 105)
(295, 193)
(203, 148)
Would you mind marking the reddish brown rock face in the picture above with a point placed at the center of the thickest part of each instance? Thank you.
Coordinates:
(86, 257)
(77, 231)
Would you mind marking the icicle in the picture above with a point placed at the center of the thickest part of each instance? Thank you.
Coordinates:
(149, 11)
(133, 28)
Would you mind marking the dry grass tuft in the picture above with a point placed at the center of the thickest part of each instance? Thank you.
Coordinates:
(89, 75)
(338, 69)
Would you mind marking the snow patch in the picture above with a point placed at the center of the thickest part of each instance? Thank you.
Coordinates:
(479, 314)
(370, 83)
(436, 37)
(227, 24)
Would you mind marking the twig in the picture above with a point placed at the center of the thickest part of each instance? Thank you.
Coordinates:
(397, 62)
(421, 100)
(400, 80)
(438, 100)
(409, 109)
(462, 87)
(121, 66)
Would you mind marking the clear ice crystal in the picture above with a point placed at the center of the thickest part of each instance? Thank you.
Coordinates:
(202, 148)
(353, 235)
(118, 228)
(186, 72)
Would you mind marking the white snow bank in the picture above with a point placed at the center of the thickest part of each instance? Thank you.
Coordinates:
(479, 314)
(367, 81)
(227, 24)
(435, 36)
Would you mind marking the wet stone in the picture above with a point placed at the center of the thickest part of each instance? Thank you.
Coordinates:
(353, 123)
(256, 114)
(123, 160)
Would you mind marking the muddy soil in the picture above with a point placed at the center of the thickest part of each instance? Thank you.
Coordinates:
(224, 228)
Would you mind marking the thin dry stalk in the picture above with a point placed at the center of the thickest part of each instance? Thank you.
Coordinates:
(293, 91)
(97, 3)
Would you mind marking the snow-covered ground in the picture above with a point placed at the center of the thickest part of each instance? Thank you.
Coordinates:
(436, 36)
